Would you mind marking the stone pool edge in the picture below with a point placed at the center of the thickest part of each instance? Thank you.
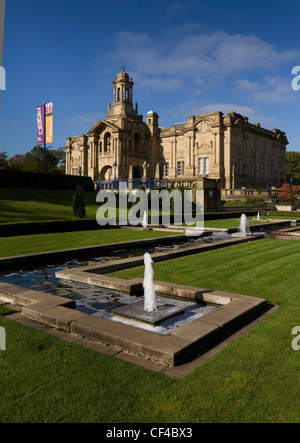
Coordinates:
(173, 349)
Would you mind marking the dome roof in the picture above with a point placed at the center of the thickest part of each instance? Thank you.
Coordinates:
(123, 75)
(155, 114)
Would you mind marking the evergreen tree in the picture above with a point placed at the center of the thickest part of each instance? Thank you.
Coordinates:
(293, 166)
(78, 203)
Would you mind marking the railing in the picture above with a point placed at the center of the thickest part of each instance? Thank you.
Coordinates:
(131, 183)
(241, 193)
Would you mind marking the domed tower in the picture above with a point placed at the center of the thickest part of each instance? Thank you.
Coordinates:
(123, 97)
(152, 122)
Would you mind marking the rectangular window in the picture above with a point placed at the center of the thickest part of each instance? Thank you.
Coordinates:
(200, 166)
(206, 166)
(167, 169)
(180, 169)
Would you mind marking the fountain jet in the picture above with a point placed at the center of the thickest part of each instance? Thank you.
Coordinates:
(244, 225)
(149, 287)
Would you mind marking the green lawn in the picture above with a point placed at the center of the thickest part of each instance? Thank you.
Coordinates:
(38, 204)
(228, 223)
(30, 244)
(255, 379)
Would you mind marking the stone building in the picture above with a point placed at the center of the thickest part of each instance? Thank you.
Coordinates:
(226, 148)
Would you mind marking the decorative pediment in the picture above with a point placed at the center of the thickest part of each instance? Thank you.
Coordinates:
(203, 125)
(102, 126)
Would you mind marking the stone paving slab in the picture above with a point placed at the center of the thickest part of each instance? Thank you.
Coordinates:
(136, 312)
(58, 316)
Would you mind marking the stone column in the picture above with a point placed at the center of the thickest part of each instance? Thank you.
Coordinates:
(68, 161)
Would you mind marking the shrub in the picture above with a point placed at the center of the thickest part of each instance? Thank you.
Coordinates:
(289, 194)
(78, 203)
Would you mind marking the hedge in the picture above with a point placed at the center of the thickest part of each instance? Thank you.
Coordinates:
(281, 213)
(48, 227)
(37, 180)
(225, 215)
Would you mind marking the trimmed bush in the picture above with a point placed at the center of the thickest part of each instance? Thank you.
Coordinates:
(37, 180)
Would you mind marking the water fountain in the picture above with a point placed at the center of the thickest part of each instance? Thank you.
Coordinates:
(244, 225)
(162, 335)
(243, 229)
(258, 216)
(150, 310)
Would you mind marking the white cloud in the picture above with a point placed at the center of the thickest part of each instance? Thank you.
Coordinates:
(196, 58)
(269, 90)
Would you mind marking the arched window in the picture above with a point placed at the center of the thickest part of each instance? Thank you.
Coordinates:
(118, 94)
(107, 142)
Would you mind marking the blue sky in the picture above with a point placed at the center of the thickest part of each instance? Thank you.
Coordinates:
(186, 57)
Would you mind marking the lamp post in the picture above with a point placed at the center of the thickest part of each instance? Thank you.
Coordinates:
(145, 167)
(45, 169)
(115, 167)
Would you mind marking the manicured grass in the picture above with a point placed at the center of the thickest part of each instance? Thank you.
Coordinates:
(258, 269)
(18, 204)
(255, 379)
(30, 244)
(228, 223)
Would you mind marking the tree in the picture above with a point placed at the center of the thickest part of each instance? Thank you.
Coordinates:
(16, 162)
(293, 167)
(3, 160)
(34, 160)
(289, 194)
(78, 203)
(60, 154)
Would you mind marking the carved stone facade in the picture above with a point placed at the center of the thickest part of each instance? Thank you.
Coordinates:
(227, 148)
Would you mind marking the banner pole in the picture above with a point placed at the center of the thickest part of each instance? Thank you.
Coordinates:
(45, 137)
